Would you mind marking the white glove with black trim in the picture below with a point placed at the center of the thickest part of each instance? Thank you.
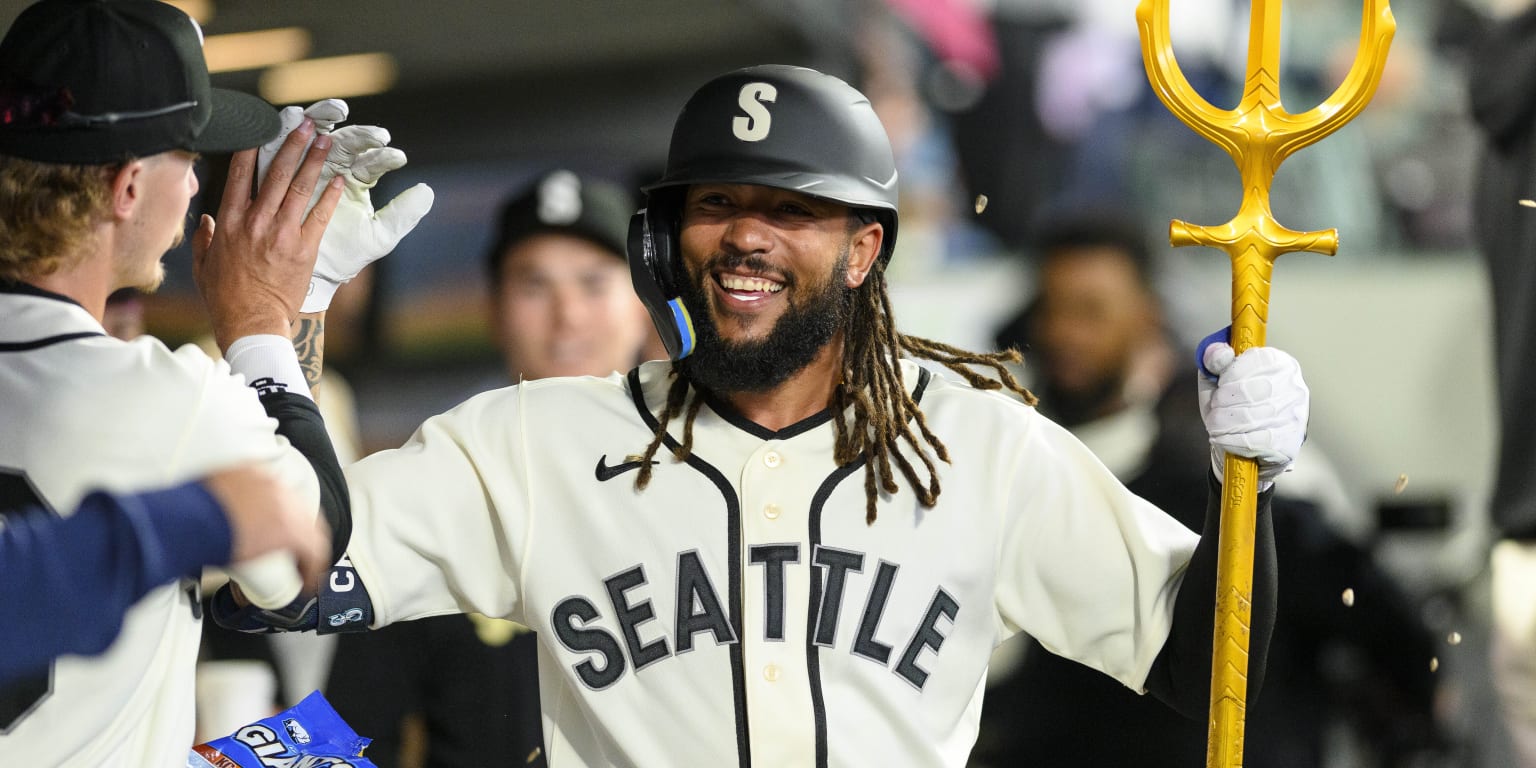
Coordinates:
(1254, 405)
(357, 235)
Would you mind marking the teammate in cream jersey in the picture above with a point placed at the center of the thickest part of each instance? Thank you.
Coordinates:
(138, 415)
(792, 545)
(104, 186)
(108, 106)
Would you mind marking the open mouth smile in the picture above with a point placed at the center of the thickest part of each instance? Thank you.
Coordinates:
(747, 290)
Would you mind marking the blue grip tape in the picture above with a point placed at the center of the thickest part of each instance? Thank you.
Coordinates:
(1223, 336)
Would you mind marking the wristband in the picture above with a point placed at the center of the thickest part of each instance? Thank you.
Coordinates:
(318, 299)
(268, 363)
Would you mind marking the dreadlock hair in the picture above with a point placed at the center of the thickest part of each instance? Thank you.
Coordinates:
(871, 387)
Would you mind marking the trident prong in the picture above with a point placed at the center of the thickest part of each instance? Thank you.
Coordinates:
(1259, 134)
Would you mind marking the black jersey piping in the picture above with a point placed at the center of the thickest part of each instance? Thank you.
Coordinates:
(28, 346)
(735, 419)
(733, 527)
(27, 289)
(813, 658)
(923, 377)
(813, 535)
(813, 651)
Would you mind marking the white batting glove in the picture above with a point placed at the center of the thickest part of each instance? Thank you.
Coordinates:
(357, 235)
(326, 114)
(1254, 405)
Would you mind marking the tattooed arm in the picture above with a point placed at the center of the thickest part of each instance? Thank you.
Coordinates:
(299, 420)
(309, 345)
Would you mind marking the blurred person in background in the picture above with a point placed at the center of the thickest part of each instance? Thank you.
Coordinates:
(124, 316)
(1098, 353)
(462, 690)
(1503, 95)
(562, 303)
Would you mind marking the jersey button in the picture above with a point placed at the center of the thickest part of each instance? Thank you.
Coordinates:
(772, 459)
(771, 511)
(771, 673)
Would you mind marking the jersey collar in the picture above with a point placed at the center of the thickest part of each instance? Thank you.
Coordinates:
(29, 315)
(731, 416)
(27, 289)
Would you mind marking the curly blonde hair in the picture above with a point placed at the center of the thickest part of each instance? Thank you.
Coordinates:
(46, 213)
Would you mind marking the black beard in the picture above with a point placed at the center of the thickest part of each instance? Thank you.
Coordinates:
(724, 367)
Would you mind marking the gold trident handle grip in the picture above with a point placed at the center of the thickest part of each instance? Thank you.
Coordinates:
(1259, 134)
(1234, 612)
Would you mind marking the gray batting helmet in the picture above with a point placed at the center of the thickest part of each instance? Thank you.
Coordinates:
(773, 125)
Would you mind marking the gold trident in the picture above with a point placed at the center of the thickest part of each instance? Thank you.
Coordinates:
(1259, 134)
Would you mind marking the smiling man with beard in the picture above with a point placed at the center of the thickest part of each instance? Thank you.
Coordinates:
(812, 316)
(743, 598)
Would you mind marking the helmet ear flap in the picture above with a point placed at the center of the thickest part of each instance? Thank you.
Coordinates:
(653, 268)
(652, 235)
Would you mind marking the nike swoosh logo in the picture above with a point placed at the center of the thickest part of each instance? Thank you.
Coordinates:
(606, 473)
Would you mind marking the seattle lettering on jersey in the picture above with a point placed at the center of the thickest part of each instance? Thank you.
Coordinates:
(700, 611)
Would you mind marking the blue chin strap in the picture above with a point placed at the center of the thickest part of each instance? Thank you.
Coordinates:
(650, 258)
(683, 324)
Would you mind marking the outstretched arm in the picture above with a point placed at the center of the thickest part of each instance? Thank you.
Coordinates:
(1181, 673)
(1254, 405)
(253, 266)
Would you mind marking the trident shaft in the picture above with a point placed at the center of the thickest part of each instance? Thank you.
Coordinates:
(1259, 135)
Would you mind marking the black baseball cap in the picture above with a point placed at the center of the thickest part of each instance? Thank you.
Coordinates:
(564, 202)
(96, 81)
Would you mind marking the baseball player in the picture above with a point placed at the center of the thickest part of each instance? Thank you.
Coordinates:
(792, 545)
(561, 301)
(106, 104)
(86, 570)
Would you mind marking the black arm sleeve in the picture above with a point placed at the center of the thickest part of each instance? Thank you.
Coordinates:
(298, 419)
(1181, 673)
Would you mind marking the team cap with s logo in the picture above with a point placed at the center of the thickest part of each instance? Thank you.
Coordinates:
(563, 202)
(97, 81)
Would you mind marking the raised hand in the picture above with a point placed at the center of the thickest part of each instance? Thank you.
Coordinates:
(360, 235)
(253, 265)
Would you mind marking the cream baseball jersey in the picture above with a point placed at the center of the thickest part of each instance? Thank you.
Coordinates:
(739, 611)
(81, 410)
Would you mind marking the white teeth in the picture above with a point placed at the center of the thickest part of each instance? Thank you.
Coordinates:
(756, 284)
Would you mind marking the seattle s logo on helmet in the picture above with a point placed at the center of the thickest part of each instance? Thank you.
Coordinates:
(754, 126)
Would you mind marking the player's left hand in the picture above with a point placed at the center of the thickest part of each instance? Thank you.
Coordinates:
(358, 234)
(1254, 405)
